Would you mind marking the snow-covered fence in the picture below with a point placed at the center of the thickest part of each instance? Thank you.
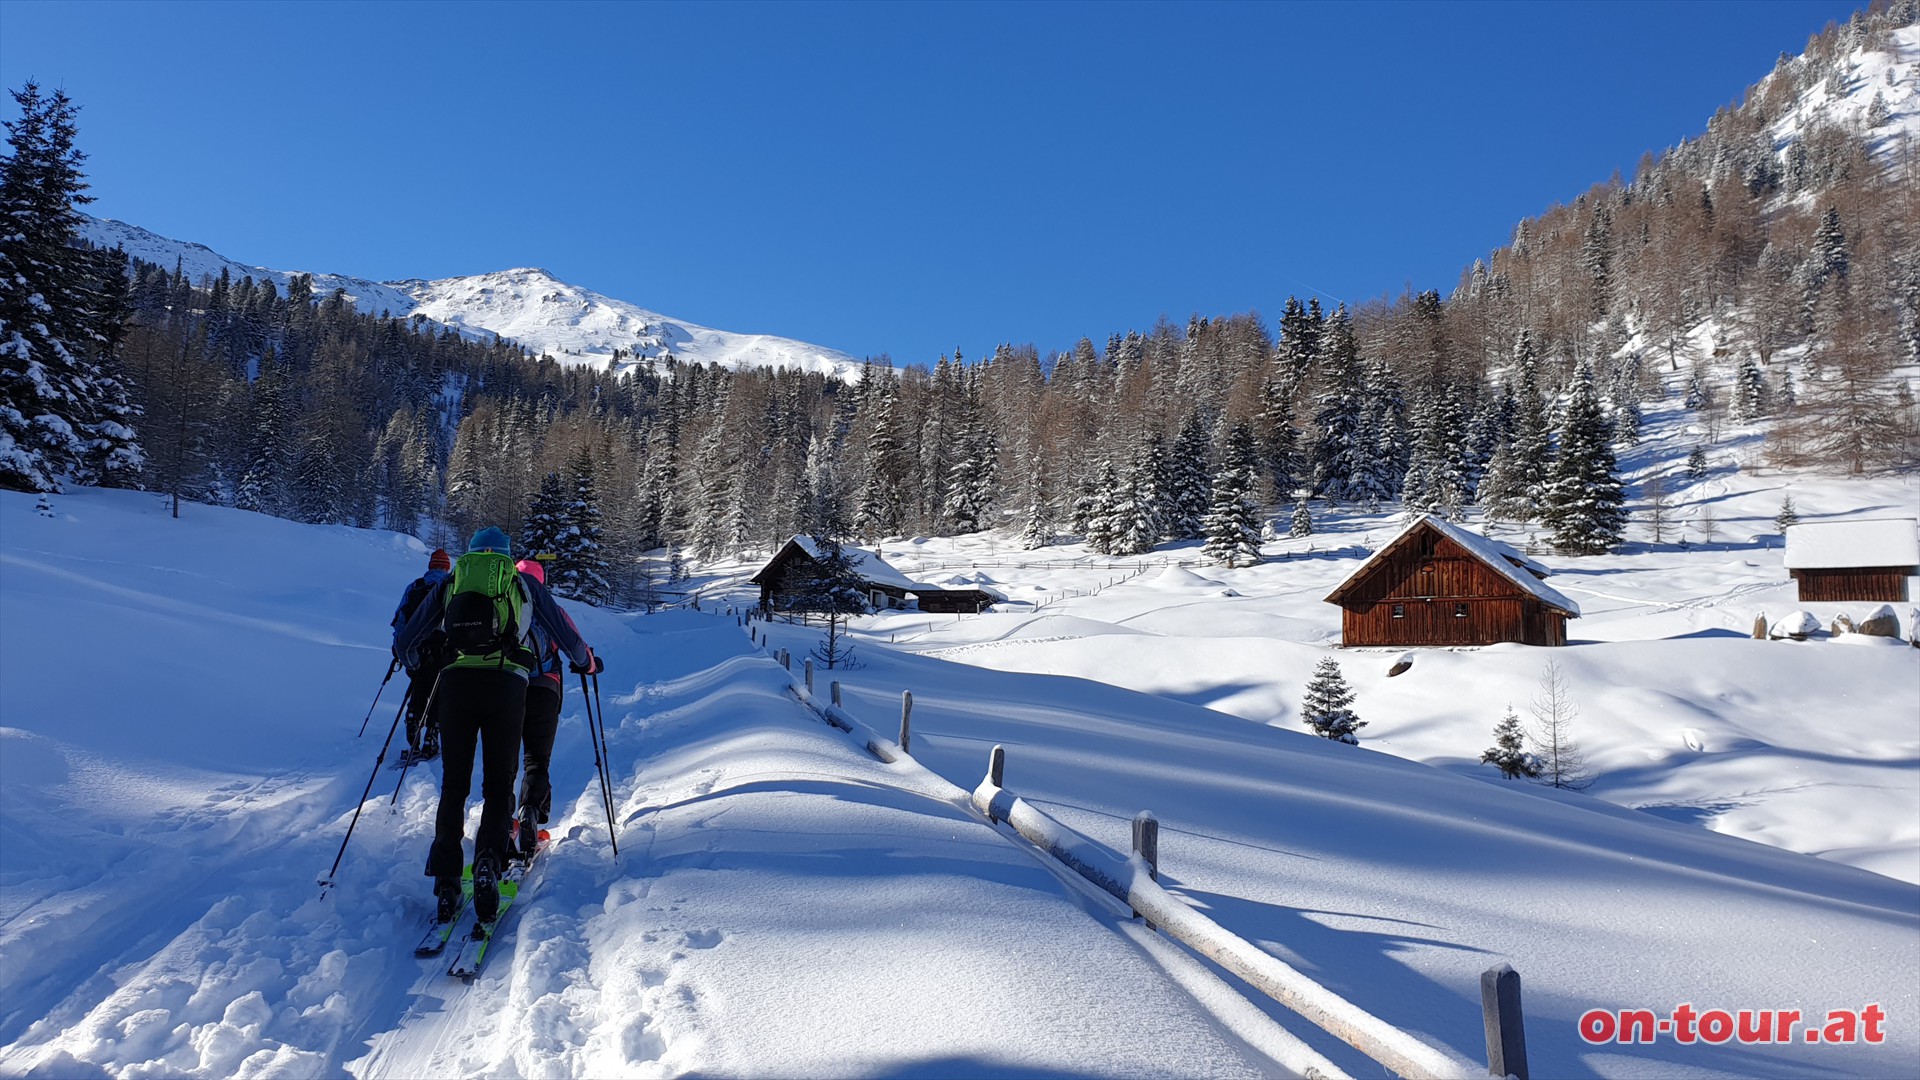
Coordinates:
(1133, 879)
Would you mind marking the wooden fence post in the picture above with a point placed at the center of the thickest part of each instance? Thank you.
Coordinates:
(1506, 1033)
(786, 659)
(809, 676)
(997, 765)
(1146, 841)
(906, 720)
(834, 688)
(1146, 844)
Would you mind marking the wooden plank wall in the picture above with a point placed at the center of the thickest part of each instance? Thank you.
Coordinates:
(1884, 584)
(1430, 577)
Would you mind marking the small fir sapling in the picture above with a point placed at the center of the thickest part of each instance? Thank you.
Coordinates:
(1787, 516)
(1328, 705)
(1508, 752)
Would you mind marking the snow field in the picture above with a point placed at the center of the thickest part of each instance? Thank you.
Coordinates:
(163, 920)
(1395, 885)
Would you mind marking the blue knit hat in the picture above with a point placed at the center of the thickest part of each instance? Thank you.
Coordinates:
(491, 539)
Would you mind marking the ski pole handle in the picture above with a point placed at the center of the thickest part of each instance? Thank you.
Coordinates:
(391, 668)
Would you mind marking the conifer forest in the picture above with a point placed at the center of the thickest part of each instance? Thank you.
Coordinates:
(1514, 392)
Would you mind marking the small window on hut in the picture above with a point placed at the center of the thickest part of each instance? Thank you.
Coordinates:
(1459, 611)
(1399, 611)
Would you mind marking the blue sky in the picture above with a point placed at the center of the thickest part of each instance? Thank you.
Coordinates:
(899, 178)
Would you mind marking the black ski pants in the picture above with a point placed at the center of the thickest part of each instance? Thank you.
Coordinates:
(478, 708)
(536, 740)
(419, 689)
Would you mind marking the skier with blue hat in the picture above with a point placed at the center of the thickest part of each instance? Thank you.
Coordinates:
(487, 616)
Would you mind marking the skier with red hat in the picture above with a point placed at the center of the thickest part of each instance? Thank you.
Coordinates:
(423, 734)
(554, 641)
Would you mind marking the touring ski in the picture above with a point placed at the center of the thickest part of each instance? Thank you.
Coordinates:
(475, 945)
(439, 933)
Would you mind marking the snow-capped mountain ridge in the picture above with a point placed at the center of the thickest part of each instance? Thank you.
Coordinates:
(527, 305)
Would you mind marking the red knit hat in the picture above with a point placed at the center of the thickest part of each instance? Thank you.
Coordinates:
(533, 568)
(439, 560)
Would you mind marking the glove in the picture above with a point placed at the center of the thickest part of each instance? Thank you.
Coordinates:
(593, 666)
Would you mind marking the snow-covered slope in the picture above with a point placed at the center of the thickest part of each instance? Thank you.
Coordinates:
(575, 324)
(179, 762)
(528, 306)
(200, 262)
(1892, 75)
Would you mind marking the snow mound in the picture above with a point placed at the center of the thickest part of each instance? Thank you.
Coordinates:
(1179, 577)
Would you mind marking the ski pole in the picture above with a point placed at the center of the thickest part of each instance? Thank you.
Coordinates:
(600, 764)
(599, 768)
(606, 757)
(426, 717)
(391, 668)
(327, 882)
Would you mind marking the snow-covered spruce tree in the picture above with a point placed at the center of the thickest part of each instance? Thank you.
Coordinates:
(1133, 521)
(1561, 762)
(1190, 497)
(1301, 523)
(1278, 440)
(263, 480)
(1788, 516)
(1233, 524)
(59, 408)
(1508, 752)
(1698, 396)
(1036, 530)
(1328, 705)
(1696, 462)
(832, 588)
(1585, 503)
(1095, 507)
(542, 530)
(962, 483)
(1516, 477)
(1749, 392)
(1339, 411)
(584, 573)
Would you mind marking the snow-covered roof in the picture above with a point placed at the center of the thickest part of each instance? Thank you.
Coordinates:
(925, 588)
(1501, 558)
(1832, 545)
(870, 566)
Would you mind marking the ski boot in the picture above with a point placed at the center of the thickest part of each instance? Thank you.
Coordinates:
(486, 888)
(526, 836)
(446, 896)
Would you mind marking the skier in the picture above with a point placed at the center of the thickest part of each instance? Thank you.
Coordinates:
(423, 732)
(545, 688)
(486, 612)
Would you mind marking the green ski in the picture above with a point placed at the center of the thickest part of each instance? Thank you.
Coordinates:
(439, 933)
(475, 946)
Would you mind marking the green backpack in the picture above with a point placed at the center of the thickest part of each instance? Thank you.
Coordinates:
(484, 613)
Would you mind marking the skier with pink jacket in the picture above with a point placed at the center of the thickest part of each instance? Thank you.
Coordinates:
(555, 641)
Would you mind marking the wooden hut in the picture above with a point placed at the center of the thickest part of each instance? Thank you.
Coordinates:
(1853, 560)
(1439, 584)
(955, 599)
(780, 579)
